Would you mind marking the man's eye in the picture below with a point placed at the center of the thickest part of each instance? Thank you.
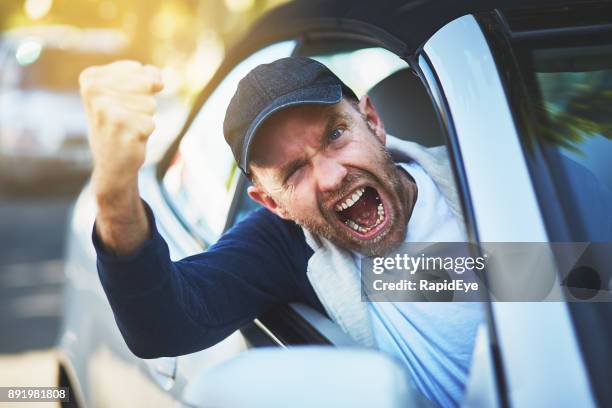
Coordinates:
(291, 174)
(335, 134)
(288, 176)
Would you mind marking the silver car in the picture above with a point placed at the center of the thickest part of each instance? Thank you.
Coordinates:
(489, 80)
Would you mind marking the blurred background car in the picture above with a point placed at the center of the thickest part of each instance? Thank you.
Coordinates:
(43, 131)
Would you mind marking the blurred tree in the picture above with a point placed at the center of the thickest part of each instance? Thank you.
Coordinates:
(576, 106)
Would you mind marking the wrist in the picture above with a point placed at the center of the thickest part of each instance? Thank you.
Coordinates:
(112, 186)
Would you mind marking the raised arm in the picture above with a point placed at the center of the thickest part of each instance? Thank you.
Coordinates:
(119, 102)
(166, 308)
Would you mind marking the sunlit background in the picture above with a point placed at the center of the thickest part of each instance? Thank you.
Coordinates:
(44, 155)
(46, 43)
(186, 37)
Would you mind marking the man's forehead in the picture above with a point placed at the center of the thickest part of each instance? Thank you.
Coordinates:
(284, 136)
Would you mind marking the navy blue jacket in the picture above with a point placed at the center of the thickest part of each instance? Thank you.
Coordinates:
(166, 308)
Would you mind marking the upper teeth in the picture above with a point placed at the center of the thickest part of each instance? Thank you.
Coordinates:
(348, 202)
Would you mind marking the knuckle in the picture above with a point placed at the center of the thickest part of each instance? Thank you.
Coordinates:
(89, 90)
(147, 126)
(127, 64)
(117, 118)
(97, 110)
(150, 123)
(152, 85)
(152, 68)
(86, 84)
(87, 74)
(99, 113)
(153, 71)
(151, 104)
(121, 118)
(140, 136)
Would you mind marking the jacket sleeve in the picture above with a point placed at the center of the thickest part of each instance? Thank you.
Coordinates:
(166, 308)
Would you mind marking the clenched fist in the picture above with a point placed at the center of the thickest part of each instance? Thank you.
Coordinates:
(120, 104)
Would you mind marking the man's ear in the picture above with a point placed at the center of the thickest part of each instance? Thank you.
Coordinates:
(261, 197)
(374, 121)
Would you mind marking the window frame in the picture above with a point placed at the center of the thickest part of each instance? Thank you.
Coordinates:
(308, 326)
(305, 328)
(291, 324)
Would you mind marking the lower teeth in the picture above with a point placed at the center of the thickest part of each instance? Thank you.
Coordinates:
(363, 230)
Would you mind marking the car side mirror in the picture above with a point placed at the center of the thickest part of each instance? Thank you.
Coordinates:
(311, 376)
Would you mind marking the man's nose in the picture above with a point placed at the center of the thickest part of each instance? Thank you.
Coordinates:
(329, 174)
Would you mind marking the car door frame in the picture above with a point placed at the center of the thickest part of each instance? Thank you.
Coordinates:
(520, 335)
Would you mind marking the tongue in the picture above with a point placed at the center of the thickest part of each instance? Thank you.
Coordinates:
(364, 212)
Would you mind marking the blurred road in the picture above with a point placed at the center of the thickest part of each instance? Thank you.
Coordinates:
(31, 246)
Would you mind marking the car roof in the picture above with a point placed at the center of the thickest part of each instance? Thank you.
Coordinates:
(403, 24)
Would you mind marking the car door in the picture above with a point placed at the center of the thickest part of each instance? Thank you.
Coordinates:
(563, 63)
(515, 183)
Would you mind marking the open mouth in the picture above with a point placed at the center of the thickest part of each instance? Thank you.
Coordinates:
(362, 212)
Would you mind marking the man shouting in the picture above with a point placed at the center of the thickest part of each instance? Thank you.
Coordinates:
(333, 187)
